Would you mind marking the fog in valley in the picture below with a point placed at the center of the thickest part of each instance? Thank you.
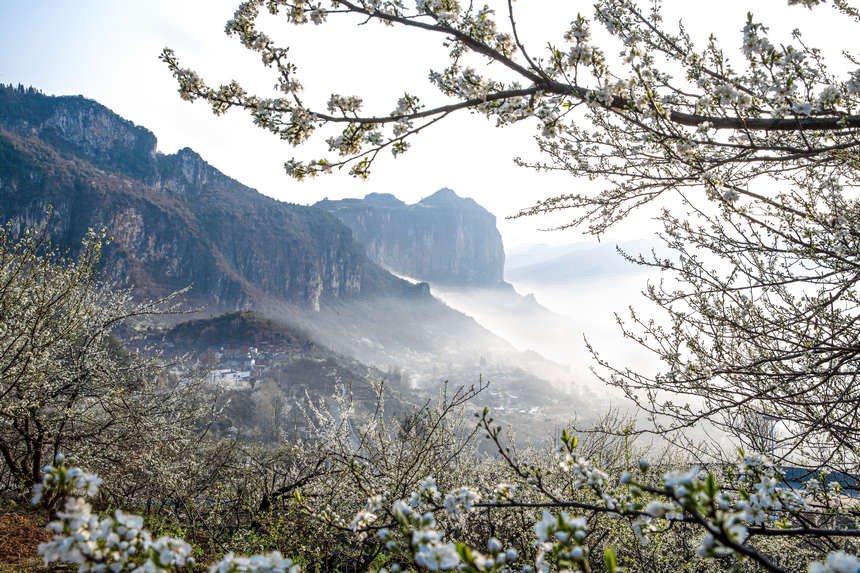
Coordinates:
(558, 297)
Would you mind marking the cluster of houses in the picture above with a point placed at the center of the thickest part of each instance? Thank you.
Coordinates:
(239, 370)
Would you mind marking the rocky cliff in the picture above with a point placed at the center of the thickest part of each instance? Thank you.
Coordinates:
(443, 238)
(175, 220)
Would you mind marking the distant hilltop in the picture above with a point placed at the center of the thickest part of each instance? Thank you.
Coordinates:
(444, 238)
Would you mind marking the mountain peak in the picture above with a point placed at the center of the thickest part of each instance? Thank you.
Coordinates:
(447, 197)
(383, 199)
(443, 195)
(188, 153)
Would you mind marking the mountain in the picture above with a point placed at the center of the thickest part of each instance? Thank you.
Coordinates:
(68, 164)
(519, 319)
(545, 264)
(453, 244)
(174, 219)
(443, 238)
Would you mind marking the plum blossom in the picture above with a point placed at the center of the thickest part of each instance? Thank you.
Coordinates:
(269, 563)
(437, 556)
(836, 562)
(461, 500)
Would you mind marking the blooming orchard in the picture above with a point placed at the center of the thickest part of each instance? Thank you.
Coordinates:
(727, 519)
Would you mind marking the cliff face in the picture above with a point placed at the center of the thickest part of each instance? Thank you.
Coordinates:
(443, 238)
(175, 220)
(82, 128)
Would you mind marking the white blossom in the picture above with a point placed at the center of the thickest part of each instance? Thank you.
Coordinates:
(461, 500)
(836, 562)
(437, 556)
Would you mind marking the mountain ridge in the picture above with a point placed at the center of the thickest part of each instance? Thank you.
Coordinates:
(97, 169)
(443, 238)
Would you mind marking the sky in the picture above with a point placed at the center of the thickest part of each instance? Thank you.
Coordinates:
(108, 50)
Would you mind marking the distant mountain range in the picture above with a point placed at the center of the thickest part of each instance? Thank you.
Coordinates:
(563, 264)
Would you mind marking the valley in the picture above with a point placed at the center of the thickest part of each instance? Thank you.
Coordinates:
(330, 271)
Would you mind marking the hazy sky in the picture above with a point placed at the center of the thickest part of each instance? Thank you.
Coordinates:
(108, 50)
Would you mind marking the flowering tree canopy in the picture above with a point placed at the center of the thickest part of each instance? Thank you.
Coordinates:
(66, 383)
(685, 112)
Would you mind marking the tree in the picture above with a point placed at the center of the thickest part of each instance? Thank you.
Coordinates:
(635, 521)
(752, 159)
(66, 383)
(270, 405)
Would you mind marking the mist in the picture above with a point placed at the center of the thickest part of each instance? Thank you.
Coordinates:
(554, 303)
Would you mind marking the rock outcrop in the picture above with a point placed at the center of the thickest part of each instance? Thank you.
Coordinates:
(443, 238)
(70, 164)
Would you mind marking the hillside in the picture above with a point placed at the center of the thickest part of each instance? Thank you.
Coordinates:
(253, 358)
(175, 220)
